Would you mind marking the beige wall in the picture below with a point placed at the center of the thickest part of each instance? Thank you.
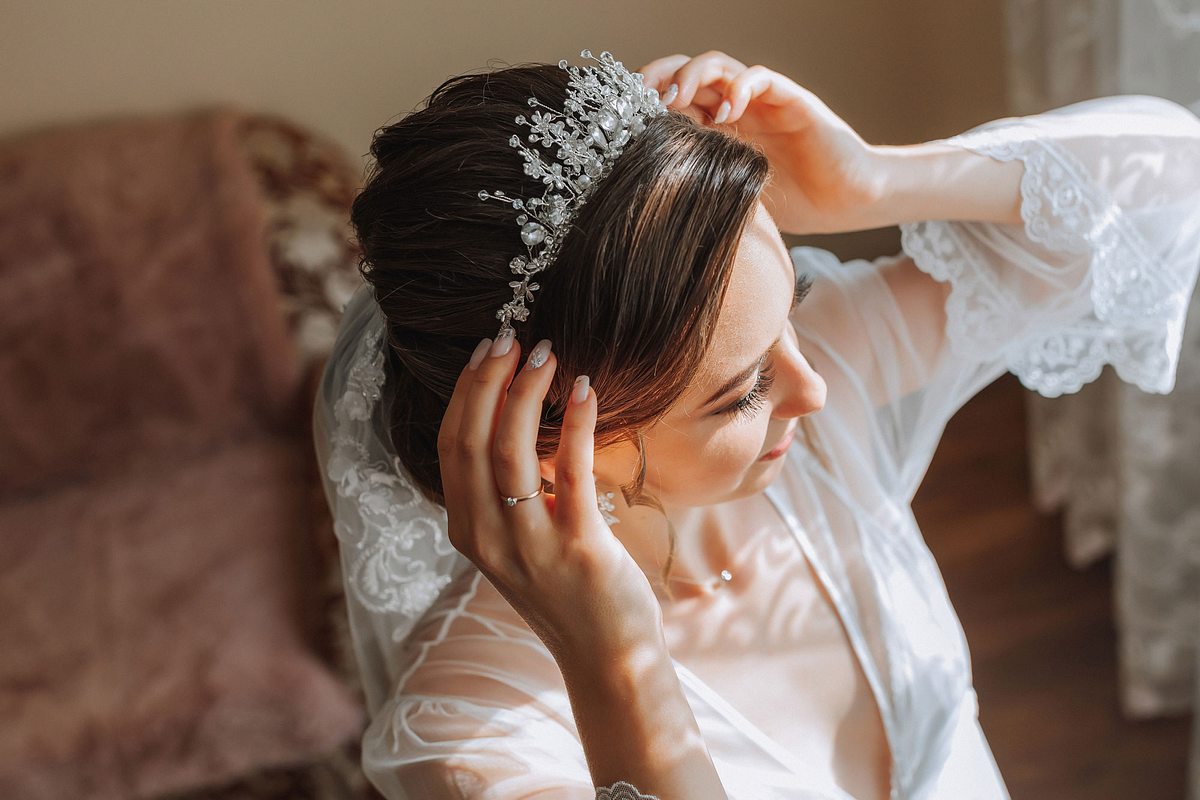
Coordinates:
(899, 71)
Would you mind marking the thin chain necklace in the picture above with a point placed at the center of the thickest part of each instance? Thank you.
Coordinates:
(604, 501)
(711, 584)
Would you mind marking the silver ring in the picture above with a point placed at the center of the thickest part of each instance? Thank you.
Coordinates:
(512, 501)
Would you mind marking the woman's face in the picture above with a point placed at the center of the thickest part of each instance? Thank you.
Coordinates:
(722, 438)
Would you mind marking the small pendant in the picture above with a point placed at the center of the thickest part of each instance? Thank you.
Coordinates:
(712, 584)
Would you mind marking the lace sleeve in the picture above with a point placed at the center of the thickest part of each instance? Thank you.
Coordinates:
(622, 791)
(1099, 272)
(1104, 265)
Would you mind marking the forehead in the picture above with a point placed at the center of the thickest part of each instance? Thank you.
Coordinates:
(755, 307)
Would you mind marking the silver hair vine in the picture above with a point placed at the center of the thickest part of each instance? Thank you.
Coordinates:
(606, 106)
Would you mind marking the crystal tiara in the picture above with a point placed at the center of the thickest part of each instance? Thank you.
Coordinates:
(606, 106)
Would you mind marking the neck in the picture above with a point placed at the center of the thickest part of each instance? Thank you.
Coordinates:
(699, 554)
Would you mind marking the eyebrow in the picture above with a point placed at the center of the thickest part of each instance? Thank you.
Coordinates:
(804, 283)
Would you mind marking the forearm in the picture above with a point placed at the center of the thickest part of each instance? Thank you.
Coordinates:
(636, 725)
(1137, 149)
(934, 180)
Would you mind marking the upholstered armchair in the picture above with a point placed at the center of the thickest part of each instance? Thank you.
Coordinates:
(170, 599)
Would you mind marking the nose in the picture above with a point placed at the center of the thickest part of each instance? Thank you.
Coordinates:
(798, 389)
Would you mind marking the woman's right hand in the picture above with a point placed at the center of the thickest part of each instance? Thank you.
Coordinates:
(552, 557)
(825, 176)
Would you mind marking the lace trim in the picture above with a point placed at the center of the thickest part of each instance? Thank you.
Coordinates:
(383, 576)
(1137, 310)
(622, 791)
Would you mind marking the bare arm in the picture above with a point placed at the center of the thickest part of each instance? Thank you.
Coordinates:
(935, 180)
(635, 724)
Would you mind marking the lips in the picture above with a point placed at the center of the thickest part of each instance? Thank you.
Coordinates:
(781, 448)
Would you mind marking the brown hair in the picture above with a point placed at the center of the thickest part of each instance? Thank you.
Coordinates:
(631, 299)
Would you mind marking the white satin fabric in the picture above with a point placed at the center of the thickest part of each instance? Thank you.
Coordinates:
(835, 578)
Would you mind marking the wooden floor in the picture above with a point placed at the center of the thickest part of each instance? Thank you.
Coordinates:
(1040, 633)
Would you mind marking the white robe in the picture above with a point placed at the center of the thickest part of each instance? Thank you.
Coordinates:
(1100, 273)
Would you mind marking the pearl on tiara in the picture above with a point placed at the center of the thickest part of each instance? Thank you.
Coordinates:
(606, 107)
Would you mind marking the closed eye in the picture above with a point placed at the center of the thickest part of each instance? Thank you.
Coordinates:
(748, 404)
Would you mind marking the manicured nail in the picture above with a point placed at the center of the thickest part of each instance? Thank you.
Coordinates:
(580, 393)
(503, 342)
(538, 355)
(722, 111)
(480, 351)
(672, 93)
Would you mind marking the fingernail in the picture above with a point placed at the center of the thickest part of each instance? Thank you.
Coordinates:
(580, 393)
(503, 342)
(538, 355)
(722, 112)
(672, 92)
(480, 351)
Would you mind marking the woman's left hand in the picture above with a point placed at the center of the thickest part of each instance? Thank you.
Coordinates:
(825, 175)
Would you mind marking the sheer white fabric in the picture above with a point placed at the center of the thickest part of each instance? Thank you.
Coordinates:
(1124, 466)
(468, 703)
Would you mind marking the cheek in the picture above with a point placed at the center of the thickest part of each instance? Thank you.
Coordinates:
(739, 444)
(695, 471)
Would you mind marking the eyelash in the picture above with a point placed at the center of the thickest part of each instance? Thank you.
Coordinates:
(751, 403)
(803, 284)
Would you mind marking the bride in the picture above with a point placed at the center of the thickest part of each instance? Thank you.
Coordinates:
(621, 482)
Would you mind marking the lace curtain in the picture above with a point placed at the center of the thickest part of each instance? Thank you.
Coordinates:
(1123, 465)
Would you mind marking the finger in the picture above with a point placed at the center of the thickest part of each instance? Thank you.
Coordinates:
(448, 432)
(658, 72)
(482, 407)
(452, 416)
(748, 86)
(713, 67)
(514, 449)
(574, 484)
(765, 86)
(708, 98)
